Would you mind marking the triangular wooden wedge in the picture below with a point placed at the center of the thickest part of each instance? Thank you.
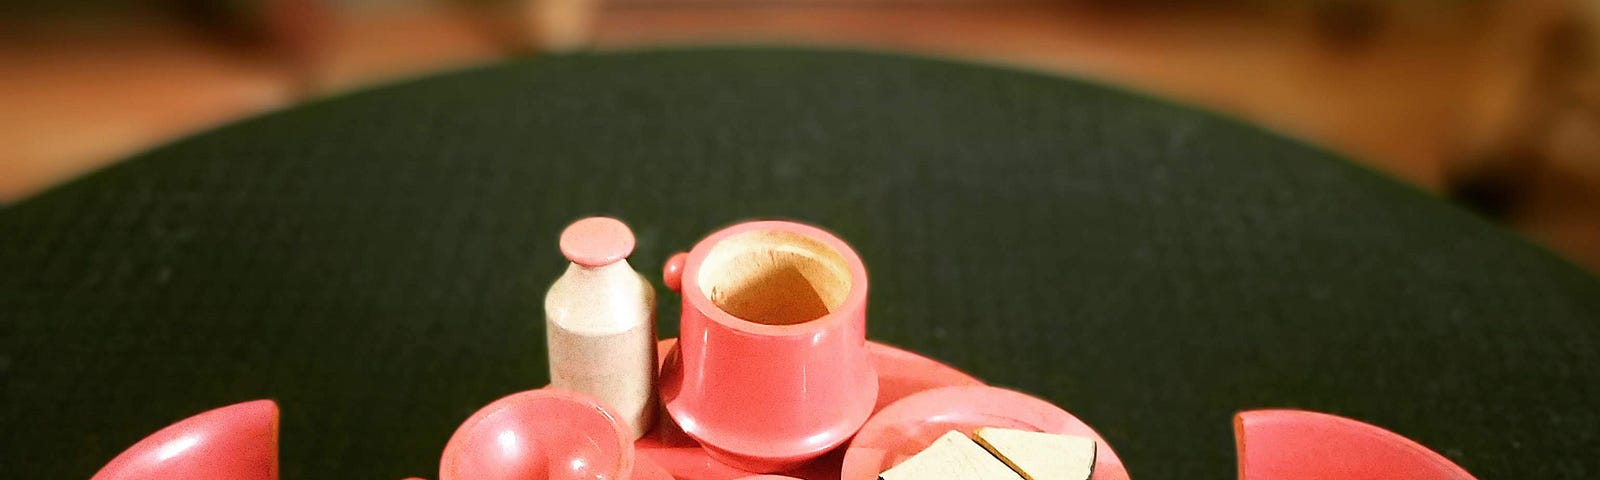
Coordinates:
(1040, 456)
(952, 457)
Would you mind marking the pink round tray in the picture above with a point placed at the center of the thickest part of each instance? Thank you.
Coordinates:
(900, 374)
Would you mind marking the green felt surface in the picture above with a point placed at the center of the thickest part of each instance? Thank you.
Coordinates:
(376, 262)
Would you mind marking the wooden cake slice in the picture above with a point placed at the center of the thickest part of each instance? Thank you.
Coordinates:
(951, 457)
(1040, 456)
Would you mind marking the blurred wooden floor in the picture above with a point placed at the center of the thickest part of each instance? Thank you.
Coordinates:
(1422, 93)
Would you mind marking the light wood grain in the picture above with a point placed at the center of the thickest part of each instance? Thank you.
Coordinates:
(600, 329)
(1040, 456)
(952, 457)
(774, 278)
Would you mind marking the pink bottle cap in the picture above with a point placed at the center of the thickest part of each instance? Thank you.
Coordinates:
(596, 241)
(547, 433)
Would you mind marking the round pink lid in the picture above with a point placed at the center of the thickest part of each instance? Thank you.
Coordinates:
(596, 241)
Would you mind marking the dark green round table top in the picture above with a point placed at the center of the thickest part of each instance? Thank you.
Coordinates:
(376, 262)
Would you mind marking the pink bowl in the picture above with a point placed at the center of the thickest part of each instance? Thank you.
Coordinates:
(540, 434)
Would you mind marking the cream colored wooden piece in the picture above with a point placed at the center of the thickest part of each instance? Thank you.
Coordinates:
(600, 329)
(1040, 456)
(952, 457)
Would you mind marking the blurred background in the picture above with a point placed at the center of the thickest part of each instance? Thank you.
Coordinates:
(1494, 104)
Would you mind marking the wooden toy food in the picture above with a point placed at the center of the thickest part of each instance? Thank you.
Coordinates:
(1038, 455)
(952, 456)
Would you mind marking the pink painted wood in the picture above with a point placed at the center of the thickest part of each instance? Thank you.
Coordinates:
(1301, 445)
(544, 434)
(645, 469)
(733, 386)
(236, 442)
(597, 241)
(901, 374)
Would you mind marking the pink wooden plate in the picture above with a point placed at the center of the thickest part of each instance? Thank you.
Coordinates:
(1301, 445)
(906, 427)
(645, 469)
(900, 374)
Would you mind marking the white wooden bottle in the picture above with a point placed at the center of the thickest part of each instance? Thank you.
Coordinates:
(600, 322)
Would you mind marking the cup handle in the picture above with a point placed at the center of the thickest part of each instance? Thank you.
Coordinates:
(672, 272)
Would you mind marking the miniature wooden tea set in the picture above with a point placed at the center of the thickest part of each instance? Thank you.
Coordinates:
(772, 377)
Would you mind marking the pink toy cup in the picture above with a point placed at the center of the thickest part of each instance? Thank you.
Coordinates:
(771, 368)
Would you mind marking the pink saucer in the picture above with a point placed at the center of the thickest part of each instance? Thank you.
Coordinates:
(1279, 444)
(547, 433)
(906, 427)
(900, 374)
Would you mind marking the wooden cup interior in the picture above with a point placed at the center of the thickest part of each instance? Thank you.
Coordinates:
(774, 277)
